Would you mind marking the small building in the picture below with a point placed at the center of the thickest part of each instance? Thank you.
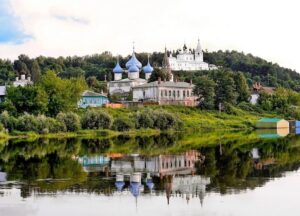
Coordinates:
(22, 81)
(2, 93)
(92, 99)
(270, 123)
(257, 88)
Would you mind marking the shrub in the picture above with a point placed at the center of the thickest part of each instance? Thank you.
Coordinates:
(9, 122)
(164, 120)
(144, 120)
(70, 120)
(122, 124)
(96, 120)
(55, 126)
(28, 122)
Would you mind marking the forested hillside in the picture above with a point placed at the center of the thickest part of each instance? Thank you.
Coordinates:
(96, 68)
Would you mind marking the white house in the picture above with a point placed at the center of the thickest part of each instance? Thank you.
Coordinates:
(188, 61)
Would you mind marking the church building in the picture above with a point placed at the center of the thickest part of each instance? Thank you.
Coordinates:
(133, 68)
(186, 60)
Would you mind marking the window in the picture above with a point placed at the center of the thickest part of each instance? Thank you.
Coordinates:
(183, 93)
(166, 93)
(174, 93)
(144, 93)
(178, 93)
(161, 93)
(170, 93)
(188, 93)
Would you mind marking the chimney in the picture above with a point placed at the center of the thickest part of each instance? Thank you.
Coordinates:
(159, 80)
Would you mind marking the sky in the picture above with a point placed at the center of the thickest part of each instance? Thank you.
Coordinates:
(268, 29)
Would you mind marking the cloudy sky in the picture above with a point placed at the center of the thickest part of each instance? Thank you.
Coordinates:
(269, 29)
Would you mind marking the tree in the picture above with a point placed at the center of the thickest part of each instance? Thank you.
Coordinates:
(205, 91)
(35, 71)
(225, 88)
(63, 94)
(241, 87)
(30, 99)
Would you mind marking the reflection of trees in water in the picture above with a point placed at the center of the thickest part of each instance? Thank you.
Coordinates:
(234, 167)
(93, 146)
(228, 164)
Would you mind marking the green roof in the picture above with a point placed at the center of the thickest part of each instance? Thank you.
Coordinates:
(270, 120)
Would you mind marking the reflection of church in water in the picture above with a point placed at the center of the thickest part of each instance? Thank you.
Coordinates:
(136, 173)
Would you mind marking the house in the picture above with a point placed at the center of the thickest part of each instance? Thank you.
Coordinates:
(272, 123)
(257, 88)
(2, 93)
(92, 99)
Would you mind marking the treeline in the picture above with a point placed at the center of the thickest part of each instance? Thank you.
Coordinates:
(91, 119)
(255, 68)
(98, 67)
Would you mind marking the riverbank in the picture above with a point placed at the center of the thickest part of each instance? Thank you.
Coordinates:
(193, 119)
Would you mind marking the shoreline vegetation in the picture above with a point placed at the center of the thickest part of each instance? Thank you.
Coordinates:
(151, 120)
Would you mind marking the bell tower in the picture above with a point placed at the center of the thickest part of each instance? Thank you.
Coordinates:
(198, 53)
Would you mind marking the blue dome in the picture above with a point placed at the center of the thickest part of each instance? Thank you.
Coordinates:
(118, 68)
(133, 61)
(150, 184)
(148, 68)
(133, 69)
(135, 189)
(119, 185)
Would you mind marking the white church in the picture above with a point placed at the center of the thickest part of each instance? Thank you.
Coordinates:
(186, 60)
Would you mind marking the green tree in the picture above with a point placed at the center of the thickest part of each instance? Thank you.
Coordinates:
(241, 87)
(35, 71)
(205, 91)
(158, 73)
(225, 88)
(30, 99)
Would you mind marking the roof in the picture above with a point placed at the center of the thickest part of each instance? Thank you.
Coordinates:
(166, 84)
(270, 120)
(88, 93)
(2, 90)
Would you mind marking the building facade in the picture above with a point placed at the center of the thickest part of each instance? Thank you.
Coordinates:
(186, 60)
(92, 99)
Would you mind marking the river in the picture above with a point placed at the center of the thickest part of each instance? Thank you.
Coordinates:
(214, 174)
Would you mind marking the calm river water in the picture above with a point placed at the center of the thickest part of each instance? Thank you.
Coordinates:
(200, 174)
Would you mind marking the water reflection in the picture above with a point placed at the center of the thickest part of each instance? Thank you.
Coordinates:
(222, 164)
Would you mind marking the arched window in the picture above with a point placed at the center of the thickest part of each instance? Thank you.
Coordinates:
(174, 93)
(161, 93)
(166, 93)
(188, 93)
(178, 93)
(170, 93)
(184, 93)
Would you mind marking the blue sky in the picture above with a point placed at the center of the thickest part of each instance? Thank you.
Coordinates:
(10, 26)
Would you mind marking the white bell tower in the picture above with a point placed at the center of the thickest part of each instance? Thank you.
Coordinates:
(198, 53)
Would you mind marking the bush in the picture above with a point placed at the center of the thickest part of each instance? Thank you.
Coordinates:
(144, 120)
(122, 124)
(28, 122)
(8, 122)
(164, 120)
(96, 120)
(70, 120)
(249, 107)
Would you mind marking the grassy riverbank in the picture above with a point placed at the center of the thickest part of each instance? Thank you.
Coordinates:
(193, 119)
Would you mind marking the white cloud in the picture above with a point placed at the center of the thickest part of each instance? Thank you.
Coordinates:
(79, 27)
